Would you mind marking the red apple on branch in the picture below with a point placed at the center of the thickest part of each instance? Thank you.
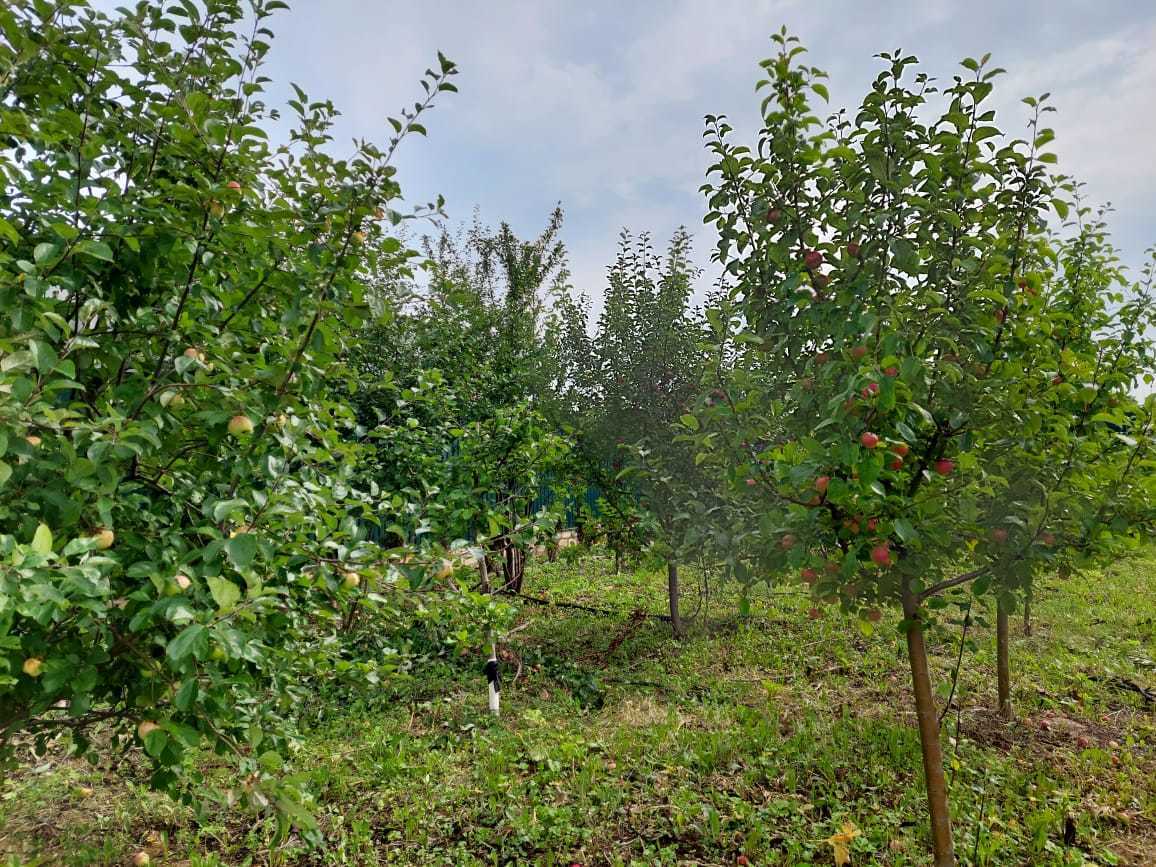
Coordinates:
(881, 554)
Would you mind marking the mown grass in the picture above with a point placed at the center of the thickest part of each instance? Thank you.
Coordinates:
(758, 736)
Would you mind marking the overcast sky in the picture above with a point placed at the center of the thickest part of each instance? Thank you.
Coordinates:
(599, 104)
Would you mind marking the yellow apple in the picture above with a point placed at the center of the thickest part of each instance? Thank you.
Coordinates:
(33, 440)
(240, 425)
(33, 665)
(352, 579)
(146, 728)
(104, 539)
(141, 859)
(183, 581)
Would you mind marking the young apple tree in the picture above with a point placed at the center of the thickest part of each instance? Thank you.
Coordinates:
(626, 385)
(873, 259)
(1055, 482)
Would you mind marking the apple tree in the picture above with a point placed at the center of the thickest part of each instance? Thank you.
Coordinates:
(180, 521)
(627, 385)
(874, 260)
(1058, 480)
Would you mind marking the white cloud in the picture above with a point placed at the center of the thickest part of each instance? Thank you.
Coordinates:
(1105, 93)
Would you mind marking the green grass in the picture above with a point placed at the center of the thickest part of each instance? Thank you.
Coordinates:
(758, 735)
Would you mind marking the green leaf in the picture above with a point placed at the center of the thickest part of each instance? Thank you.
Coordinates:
(192, 640)
(927, 417)
(225, 592)
(222, 509)
(95, 249)
(155, 742)
(904, 530)
(65, 230)
(7, 231)
(44, 252)
(43, 356)
(186, 695)
(689, 421)
(42, 540)
(241, 550)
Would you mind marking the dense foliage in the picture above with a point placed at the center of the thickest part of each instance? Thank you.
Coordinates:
(455, 387)
(181, 524)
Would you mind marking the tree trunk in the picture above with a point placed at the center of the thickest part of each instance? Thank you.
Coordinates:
(937, 808)
(617, 561)
(1003, 672)
(672, 593)
(514, 566)
(1028, 614)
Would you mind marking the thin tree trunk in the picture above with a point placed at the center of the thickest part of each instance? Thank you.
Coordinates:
(672, 593)
(937, 807)
(1028, 613)
(515, 567)
(1003, 671)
